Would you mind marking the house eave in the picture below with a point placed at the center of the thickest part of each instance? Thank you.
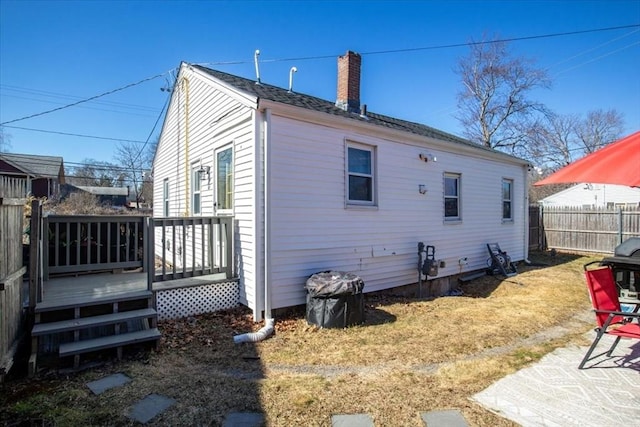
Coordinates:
(324, 119)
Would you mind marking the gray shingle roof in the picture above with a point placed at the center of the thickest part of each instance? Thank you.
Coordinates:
(277, 94)
(34, 165)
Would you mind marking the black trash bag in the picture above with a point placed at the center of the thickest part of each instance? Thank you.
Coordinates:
(335, 299)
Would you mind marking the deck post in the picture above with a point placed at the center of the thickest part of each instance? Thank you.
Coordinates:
(149, 251)
(228, 232)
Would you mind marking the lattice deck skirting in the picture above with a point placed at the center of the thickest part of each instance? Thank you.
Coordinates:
(189, 301)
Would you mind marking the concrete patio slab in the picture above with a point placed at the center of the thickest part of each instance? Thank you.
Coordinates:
(446, 418)
(107, 383)
(244, 419)
(149, 407)
(554, 392)
(351, 420)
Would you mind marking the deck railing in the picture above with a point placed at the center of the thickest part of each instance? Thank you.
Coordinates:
(191, 246)
(92, 243)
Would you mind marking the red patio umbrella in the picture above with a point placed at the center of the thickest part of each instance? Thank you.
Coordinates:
(617, 163)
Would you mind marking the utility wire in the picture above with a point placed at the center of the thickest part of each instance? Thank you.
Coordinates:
(445, 46)
(78, 134)
(86, 99)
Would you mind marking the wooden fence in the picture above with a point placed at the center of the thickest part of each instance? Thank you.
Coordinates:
(12, 199)
(588, 230)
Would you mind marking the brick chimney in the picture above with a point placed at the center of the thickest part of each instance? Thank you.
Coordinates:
(349, 82)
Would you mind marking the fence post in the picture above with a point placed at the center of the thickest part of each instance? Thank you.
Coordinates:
(620, 225)
(34, 261)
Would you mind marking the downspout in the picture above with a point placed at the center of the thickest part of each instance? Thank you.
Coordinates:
(269, 321)
(526, 214)
(185, 87)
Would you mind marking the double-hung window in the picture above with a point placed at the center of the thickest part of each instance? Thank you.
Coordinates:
(165, 197)
(195, 189)
(452, 196)
(361, 188)
(507, 199)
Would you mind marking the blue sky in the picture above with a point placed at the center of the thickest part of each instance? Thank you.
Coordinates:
(54, 53)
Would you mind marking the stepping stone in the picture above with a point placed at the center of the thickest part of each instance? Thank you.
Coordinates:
(244, 419)
(149, 407)
(448, 418)
(351, 420)
(107, 383)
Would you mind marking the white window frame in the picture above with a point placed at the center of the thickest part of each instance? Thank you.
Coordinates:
(371, 175)
(509, 200)
(217, 209)
(165, 197)
(457, 196)
(196, 179)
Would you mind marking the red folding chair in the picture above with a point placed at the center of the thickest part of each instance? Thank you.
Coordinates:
(609, 316)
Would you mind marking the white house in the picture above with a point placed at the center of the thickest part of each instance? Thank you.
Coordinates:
(595, 196)
(315, 185)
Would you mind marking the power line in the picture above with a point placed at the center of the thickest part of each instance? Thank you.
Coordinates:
(435, 47)
(39, 92)
(77, 134)
(86, 99)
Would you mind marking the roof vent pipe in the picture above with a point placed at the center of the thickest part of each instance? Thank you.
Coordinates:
(291, 71)
(255, 60)
(363, 111)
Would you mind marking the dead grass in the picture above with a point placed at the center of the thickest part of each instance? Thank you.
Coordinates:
(410, 356)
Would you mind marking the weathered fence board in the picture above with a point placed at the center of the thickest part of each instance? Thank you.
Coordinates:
(12, 193)
(589, 230)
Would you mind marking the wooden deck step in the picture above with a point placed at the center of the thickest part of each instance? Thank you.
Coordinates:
(88, 322)
(79, 347)
(85, 302)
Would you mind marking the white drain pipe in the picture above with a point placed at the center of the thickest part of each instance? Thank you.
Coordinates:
(260, 335)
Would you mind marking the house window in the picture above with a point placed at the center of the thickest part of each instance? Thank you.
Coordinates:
(360, 174)
(195, 189)
(507, 199)
(452, 196)
(165, 197)
(224, 179)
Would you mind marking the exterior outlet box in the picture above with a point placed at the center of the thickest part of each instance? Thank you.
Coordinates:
(463, 261)
(443, 263)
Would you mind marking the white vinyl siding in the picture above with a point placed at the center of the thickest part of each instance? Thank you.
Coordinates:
(312, 231)
(215, 120)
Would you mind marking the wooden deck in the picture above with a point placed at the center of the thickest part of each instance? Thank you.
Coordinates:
(82, 289)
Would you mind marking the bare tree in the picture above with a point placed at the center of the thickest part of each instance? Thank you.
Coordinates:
(95, 173)
(494, 104)
(552, 139)
(5, 141)
(557, 140)
(135, 162)
(600, 128)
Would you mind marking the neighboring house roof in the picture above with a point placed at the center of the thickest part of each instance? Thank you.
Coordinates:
(277, 94)
(104, 191)
(34, 165)
(594, 195)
